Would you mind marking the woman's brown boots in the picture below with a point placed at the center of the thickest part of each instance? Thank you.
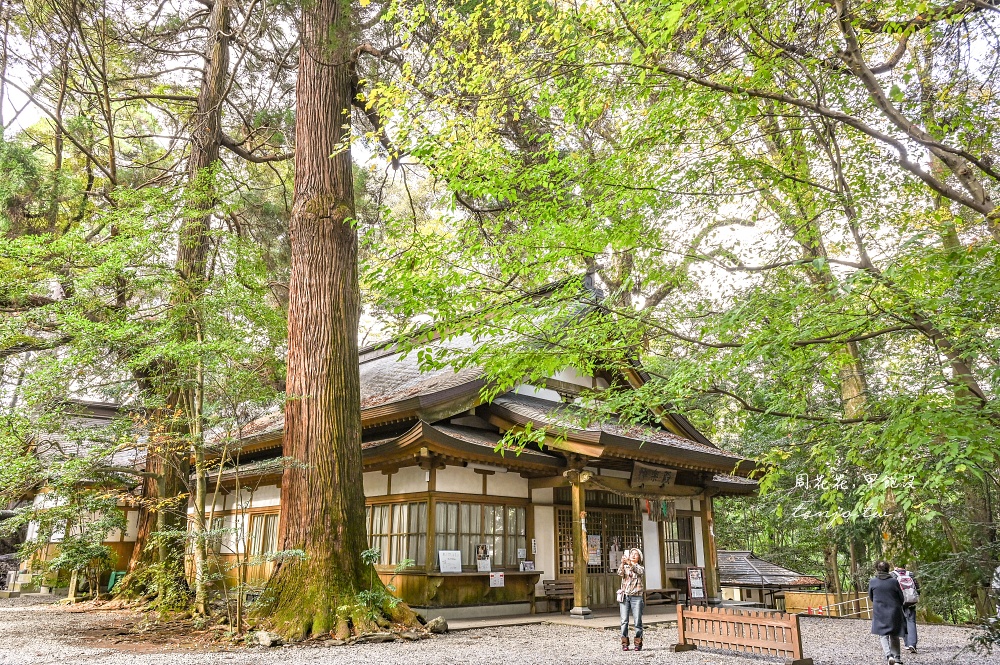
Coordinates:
(638, 644)
(624, 644)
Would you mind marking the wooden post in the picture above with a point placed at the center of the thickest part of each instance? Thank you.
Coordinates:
(580, 609)
(713, 592)
(430, 547)
(681, 643)
(72, 587)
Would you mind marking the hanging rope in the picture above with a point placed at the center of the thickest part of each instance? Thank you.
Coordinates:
(660, 508)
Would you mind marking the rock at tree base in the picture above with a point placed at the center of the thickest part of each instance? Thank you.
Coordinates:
(267, 639)
(375, 638)
(437, 625)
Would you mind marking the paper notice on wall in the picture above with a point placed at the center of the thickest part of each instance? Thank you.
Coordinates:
(496, 579)
(450, 561)
(593, 550)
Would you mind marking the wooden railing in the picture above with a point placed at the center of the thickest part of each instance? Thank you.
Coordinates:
(748, 631)
(859, 608)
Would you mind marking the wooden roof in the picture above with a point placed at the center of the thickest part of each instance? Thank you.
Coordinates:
(743, 569)
(573, 431)
(406, 411)
(442, 444)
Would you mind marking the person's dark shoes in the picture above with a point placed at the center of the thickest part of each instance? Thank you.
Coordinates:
(624, 644)
(890, 660)
(638, 644)
(912, 649)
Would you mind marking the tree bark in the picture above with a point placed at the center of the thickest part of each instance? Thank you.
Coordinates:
(192, 250)
(172, 460)
(322, 502)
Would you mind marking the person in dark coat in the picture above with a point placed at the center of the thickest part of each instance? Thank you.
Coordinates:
(887, 611)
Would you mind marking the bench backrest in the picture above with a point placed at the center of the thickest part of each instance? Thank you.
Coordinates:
(557, 586)
(749, 631)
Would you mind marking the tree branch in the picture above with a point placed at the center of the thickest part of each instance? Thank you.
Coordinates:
(35, 345)
(233, 146)
(836, 339)
(715, 390)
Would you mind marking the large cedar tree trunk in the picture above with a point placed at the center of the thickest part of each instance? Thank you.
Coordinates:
(322, 500)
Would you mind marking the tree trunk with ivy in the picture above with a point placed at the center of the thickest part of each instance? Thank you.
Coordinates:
(322, 498)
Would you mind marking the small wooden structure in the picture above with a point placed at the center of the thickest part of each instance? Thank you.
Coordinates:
(748, 631)
(88, 427)
(745, 577)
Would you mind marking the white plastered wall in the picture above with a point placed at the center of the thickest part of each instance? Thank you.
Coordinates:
(409, 479)
(131, 526)
(376, 483)
(545, 547)
(574, 376)
(507, 484)
(652, 552)
(615, 473)
(456, 479)
(266, 496)
(699, 543)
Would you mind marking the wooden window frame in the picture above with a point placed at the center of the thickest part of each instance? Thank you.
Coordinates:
(398, 545)
(505, 504)
(664, 540)
(258, 517)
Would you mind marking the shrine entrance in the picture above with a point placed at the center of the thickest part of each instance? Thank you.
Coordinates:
(614, 524)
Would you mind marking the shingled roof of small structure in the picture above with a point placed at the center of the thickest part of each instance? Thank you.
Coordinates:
(740, 568)
(94, 430)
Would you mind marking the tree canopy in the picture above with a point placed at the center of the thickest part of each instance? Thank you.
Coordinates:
(785, 215)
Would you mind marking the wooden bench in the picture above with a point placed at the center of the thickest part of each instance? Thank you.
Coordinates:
(561, 590)
(665, 596)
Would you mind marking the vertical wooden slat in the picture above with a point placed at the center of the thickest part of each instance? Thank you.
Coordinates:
(680, 624)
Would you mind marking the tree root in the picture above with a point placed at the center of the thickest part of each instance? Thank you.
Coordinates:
(349, 623)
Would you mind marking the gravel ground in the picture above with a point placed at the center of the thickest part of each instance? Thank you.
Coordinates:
(32, 633)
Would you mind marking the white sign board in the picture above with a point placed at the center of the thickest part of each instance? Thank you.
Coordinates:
(496, 579)
(450, 561)
(696, 583)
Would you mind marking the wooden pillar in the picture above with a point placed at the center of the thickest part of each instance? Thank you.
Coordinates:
(580, 609)
(430, 551)
(713, 592)
(430, 464)
(72, 587)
